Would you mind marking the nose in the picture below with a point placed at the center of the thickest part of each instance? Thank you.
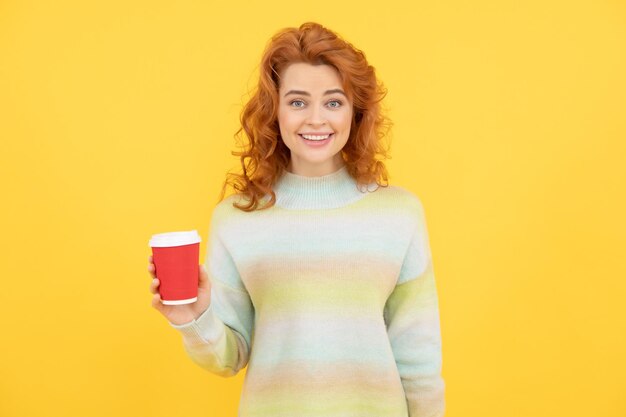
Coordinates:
(315, 116)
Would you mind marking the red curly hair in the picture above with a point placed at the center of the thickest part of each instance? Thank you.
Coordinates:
(265, 157)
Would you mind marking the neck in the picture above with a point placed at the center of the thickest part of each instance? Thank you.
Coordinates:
(306, 169)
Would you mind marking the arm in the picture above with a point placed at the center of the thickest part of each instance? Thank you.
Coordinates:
(219, 339)
(412, 317)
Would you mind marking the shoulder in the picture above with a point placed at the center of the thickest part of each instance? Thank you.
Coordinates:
(224, 212)
(226, 204)
(402, 198)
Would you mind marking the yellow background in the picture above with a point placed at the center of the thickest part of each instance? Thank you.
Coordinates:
(117, 122)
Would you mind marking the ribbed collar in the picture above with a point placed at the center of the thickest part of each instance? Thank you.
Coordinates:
(333, 190)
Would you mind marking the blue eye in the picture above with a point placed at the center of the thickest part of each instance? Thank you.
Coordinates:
(337, 104)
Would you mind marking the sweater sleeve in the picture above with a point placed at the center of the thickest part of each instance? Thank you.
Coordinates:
(412, 318)
(219, 339)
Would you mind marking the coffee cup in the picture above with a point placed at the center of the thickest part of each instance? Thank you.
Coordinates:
(175, 258)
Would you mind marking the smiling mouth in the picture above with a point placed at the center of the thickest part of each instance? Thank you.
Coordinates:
(316, 138)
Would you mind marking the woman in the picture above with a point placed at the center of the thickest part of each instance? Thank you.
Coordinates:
(317, 277)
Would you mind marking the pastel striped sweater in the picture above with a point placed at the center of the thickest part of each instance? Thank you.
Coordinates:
(328, 297)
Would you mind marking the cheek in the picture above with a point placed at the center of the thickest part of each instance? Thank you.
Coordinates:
(342, 120)
(282, 124)
(285, 120)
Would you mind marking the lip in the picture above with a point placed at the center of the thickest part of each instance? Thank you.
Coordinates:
(319, 143)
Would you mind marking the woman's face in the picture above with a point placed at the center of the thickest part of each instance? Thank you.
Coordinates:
(312, 102)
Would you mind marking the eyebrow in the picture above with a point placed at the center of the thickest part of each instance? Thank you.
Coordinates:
(304, 93)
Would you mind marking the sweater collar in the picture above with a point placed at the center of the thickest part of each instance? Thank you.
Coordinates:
(333, 190)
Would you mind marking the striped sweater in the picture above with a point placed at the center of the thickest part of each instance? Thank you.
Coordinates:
(328, 297)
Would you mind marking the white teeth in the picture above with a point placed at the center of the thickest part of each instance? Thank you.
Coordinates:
(315, 137)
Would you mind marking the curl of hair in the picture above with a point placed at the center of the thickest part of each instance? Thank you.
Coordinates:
(265, 156)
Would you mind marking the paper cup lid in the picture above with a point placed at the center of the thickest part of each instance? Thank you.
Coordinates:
(163, 240)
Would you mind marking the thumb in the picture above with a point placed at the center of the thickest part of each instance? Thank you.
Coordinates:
(203, 278)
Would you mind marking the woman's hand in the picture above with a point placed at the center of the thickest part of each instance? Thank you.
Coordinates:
(184, 313)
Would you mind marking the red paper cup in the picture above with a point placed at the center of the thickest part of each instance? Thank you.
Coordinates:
(175, 257)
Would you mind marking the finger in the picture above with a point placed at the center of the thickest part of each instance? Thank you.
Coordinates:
(156, 302)
(203, 276)
(203, 279)
(154, 285)
(151, 270)
(150, 259)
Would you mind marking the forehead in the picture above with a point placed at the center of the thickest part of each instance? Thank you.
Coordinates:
(309, 77)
